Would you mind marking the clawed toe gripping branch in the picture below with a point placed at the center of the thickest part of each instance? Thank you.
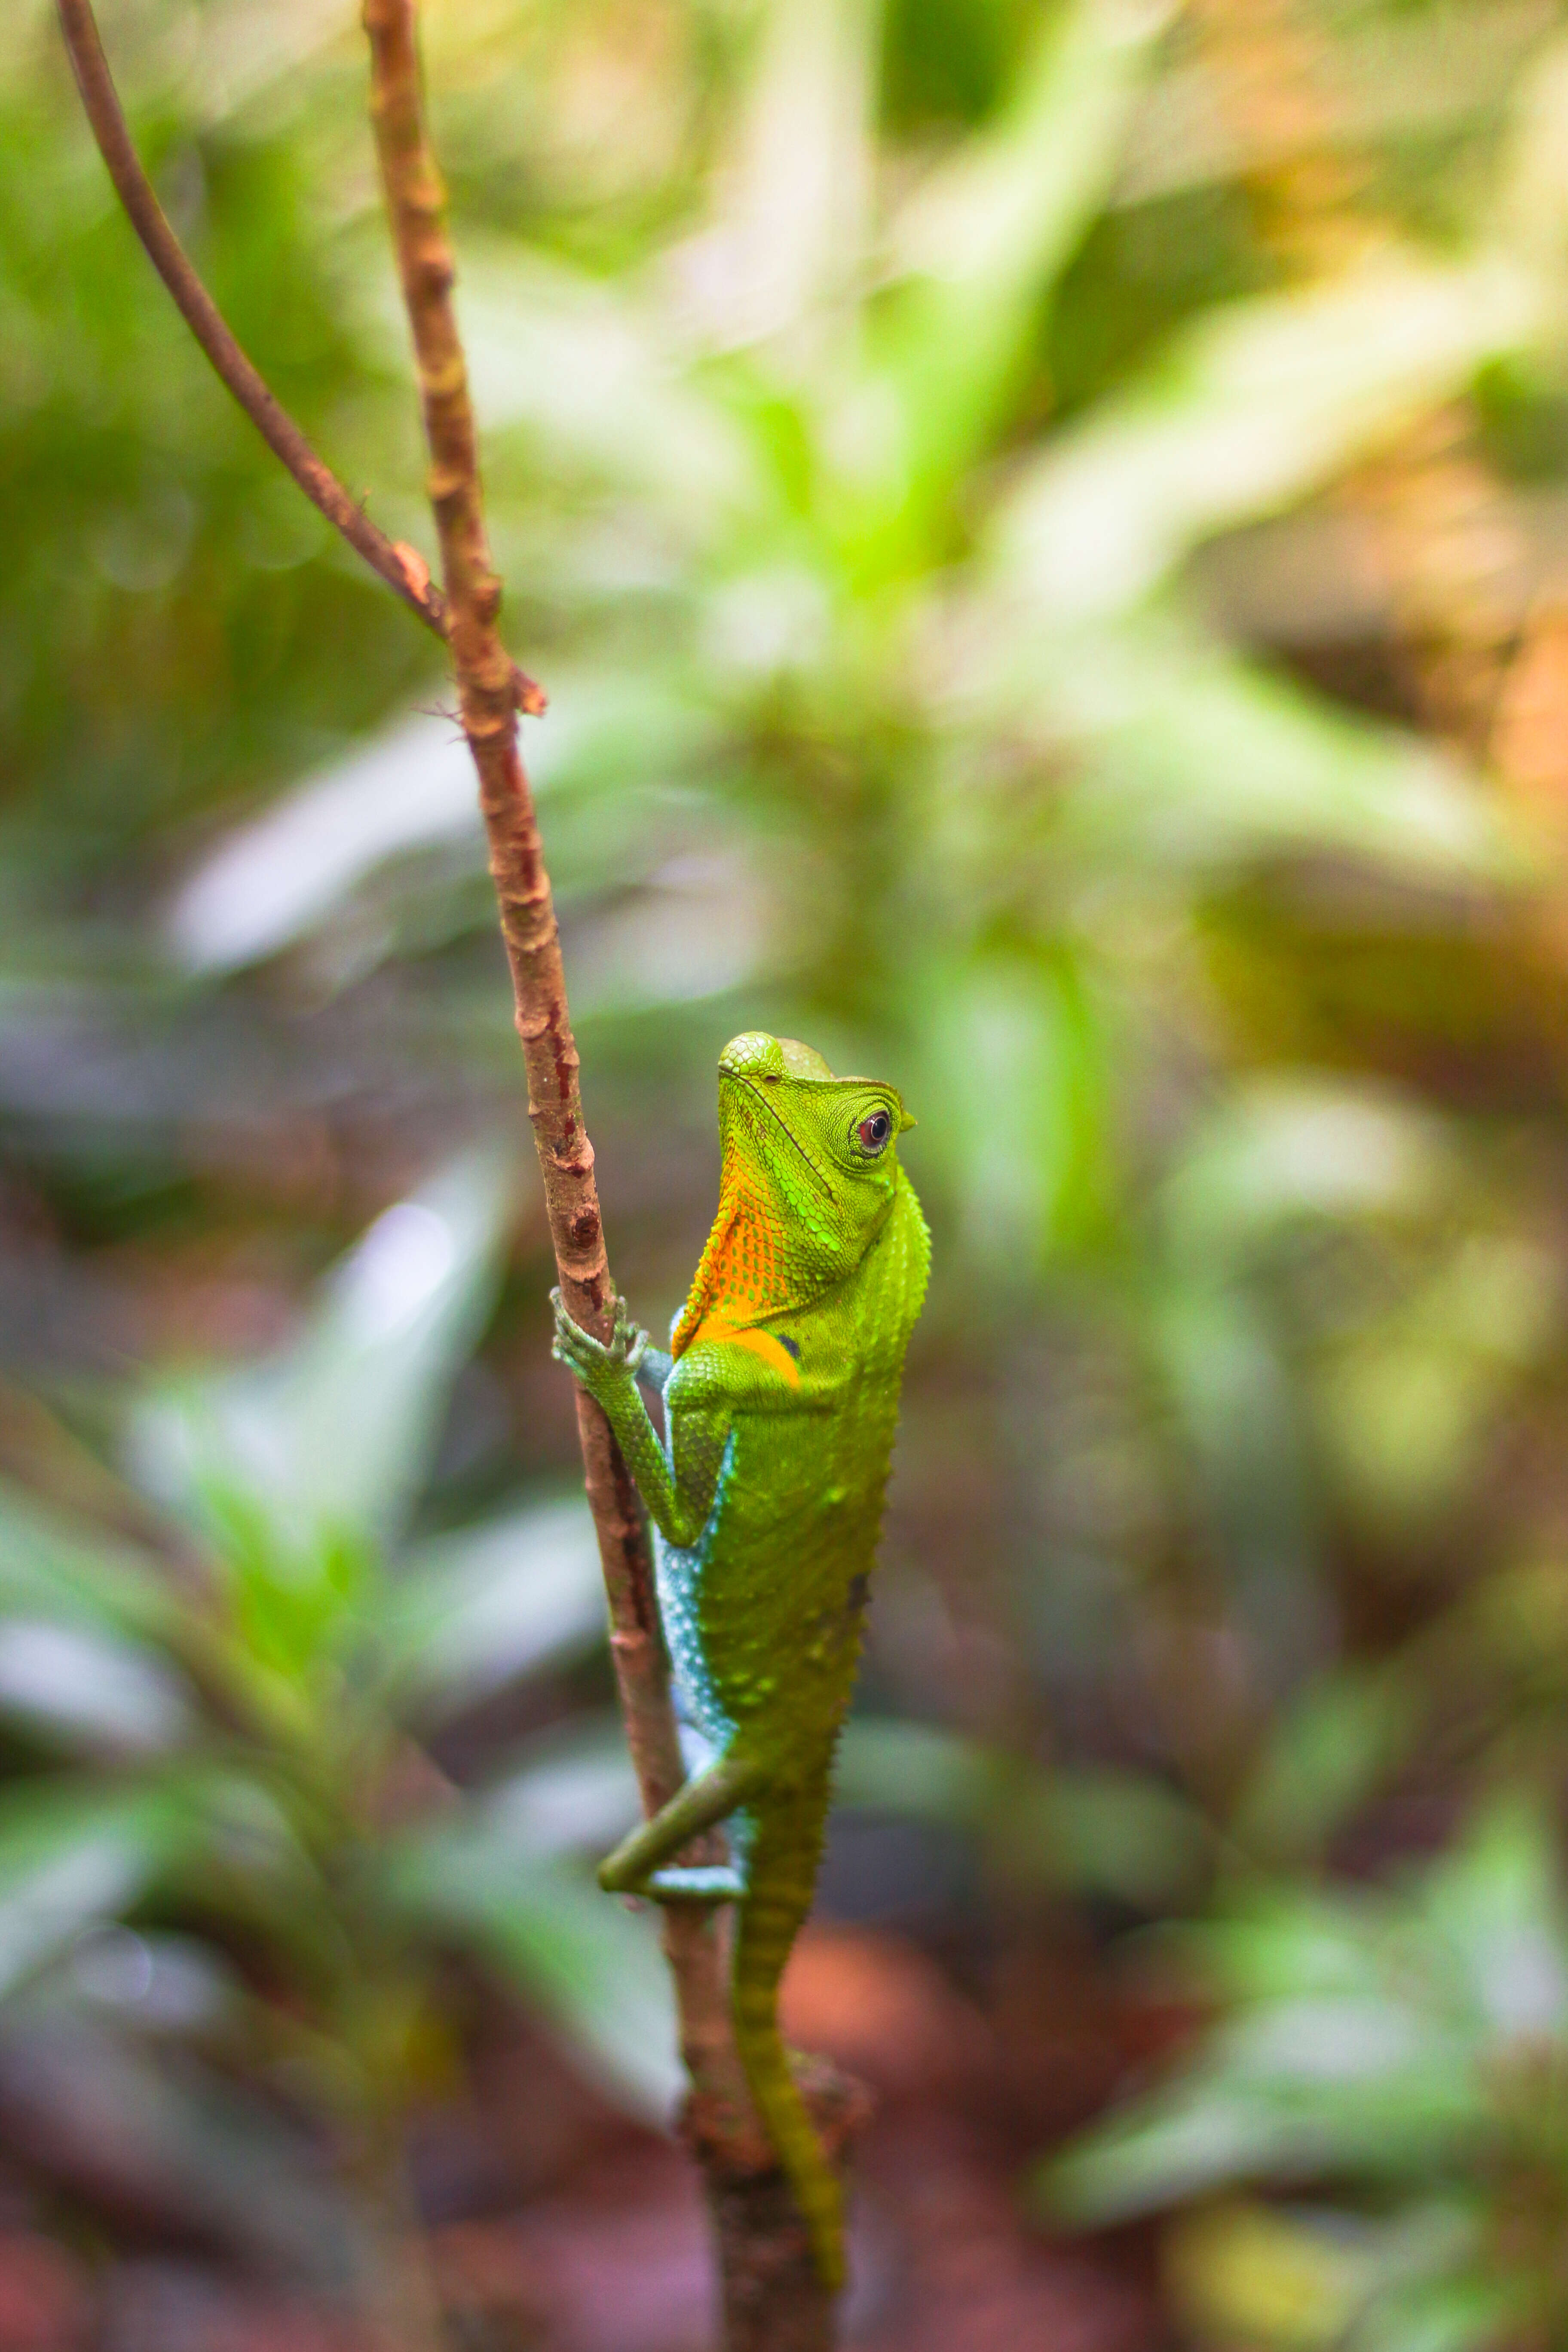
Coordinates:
(772, 2301)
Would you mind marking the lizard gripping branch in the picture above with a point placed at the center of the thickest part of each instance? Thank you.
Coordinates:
(781, 1396)
(416, 206)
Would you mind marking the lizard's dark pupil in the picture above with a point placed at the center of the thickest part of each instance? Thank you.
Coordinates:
(874, 1130)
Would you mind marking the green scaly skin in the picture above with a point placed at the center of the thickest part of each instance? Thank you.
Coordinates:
(781, 1397)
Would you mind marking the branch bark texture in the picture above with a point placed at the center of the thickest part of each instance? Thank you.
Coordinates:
(772, 2302)
(772, 2299)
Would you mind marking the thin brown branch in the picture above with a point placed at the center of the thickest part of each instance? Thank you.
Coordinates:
(771, 2294)
(401, 567)
(773, 2300)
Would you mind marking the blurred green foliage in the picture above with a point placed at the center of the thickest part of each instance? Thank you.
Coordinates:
(1407, 2046)
(224, 1718)
(1039, 526)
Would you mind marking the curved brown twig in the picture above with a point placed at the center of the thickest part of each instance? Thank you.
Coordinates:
(404, 570)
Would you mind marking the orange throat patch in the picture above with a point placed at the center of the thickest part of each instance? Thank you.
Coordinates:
(742, 1279)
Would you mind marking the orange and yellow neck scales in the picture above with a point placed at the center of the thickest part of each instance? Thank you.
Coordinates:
(743, 1278)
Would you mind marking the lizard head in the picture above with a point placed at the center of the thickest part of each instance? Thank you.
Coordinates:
(810, 1174)
(825, 1149)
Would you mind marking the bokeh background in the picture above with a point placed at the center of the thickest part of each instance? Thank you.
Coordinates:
(1045, 526)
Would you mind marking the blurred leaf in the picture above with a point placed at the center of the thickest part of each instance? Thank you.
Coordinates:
(74, 1573)
(290, 871)
(174, 2141)
(1498, 1902)
(705, 925)
(1408, 1403)
(914, 1768)
(472, 1611)
(1323, 1757)
(63, 1474)
(1103, 1832)
(591, 1965)
(1249, 410)
(1532, 200)
(1128, 1835)
(1374, 2038)
(71, 1857)
(1281, 1150)
(1322, 2089)
(1195, 760)
(1176, 2147)
(290, 1595)
(586, 369)
(1384, 77)
(987, 232)
(300, 1463)
(88, 1691)
(155, 1984)
(287, 870)
(1248, 2274)
(1012, 1045)
(1464, 2314)
(1304, 2277)
(574, 1793)
(792, 223)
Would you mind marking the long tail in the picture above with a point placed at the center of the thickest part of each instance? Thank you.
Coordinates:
(781, 1878)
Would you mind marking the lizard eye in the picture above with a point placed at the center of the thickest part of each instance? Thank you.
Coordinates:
(874, 1131)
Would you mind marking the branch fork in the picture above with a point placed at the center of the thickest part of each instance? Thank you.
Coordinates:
(772, 2302)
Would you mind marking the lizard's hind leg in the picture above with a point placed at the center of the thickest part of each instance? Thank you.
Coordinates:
(640, 1864)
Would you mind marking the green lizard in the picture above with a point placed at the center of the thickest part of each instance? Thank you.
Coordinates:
(781, 1393)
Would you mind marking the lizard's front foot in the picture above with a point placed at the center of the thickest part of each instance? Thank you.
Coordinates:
(598, 1364)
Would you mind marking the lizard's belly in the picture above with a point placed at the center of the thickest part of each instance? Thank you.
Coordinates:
(678, 1574)
(761, 1615)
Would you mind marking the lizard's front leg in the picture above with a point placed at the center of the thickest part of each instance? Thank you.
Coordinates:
(609, 1371)
(645, 1862)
